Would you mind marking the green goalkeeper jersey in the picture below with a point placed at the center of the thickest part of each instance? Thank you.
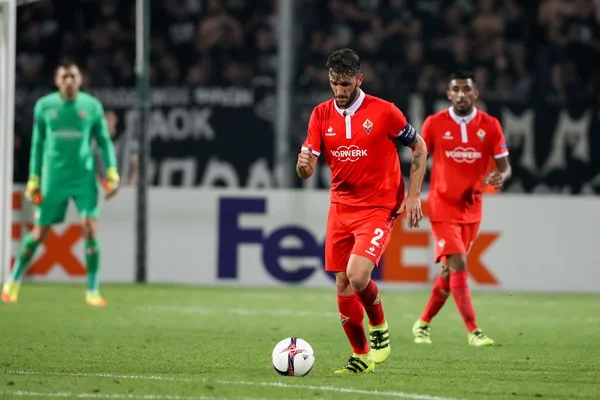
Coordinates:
(61, 149)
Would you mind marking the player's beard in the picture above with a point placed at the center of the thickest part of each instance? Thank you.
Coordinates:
(463, 109)
(350, 100)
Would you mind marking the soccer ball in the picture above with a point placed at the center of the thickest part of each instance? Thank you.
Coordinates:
(293, 357)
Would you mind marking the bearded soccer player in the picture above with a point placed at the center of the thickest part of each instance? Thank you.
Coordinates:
(462, 141)
(62, 168)
(356, 133)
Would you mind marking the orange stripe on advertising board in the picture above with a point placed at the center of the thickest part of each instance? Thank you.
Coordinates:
(394, 268)
(57, 250)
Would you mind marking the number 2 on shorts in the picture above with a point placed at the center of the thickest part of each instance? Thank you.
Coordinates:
(378, 235)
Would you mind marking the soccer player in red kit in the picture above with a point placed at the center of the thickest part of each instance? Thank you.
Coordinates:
(356, 134)
(462, 141)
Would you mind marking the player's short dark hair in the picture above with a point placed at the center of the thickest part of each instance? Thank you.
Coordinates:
(65, 62)
(344, 62)
(463, 74)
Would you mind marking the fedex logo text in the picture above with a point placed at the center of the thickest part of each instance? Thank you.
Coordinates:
(349, 153)
(308, 253)
(462, 154)
(232, 235)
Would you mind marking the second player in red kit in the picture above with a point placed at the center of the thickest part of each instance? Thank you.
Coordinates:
(356, 134)
(462, 140)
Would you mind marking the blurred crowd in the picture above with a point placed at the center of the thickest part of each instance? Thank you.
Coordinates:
(519, 49)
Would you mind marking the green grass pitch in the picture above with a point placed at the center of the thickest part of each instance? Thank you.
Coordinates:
(161, 342)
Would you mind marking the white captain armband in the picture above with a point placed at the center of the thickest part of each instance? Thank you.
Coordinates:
(407, 135)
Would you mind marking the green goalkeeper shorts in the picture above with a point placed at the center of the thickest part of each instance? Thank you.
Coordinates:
(55, 202)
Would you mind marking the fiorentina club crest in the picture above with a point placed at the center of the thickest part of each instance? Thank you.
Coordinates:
(82, 114)
(368, 125)
(481, 134)
(343, 318)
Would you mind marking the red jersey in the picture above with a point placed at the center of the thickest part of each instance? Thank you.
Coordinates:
(462, 148)
(358, 144)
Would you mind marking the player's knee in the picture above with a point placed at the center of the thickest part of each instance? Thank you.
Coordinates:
(39, 233)
(342, 284)
(89, 229)
(445, 272)
(457, 262)
(359, 278)
(359, 272)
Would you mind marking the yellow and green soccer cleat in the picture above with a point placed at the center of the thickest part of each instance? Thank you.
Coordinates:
(358, 364)
(10, 292)
(421, 332)
(94, 299)
(479, 339)
(380, 342)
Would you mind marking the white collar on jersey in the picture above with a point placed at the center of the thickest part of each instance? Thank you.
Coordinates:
(354, 107)
(466, 119)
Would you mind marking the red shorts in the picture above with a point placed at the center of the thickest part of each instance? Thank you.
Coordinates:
(356, 230)
(453, 238)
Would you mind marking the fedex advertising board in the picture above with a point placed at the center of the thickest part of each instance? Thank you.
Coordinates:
(270, 238)
(273, 238)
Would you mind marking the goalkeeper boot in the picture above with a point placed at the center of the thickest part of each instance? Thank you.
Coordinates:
(421, 332)
(10, 291)
(357, 364)
(94, 299)
(479, 339)
(380, 342)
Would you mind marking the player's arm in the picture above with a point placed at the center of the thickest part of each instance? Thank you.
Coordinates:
(408, 136)
(418, 165)
(309, 154)
(503, 170)
(107, 150)
(38, 136)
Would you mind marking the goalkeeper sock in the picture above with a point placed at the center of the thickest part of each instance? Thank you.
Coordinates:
(92, 259)
(26, 252)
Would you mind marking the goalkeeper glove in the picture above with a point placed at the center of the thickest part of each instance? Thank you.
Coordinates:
(111, 183)
(32, 191)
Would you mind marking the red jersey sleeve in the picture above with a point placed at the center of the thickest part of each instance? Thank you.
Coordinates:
(500, 148)
(427, 135)
(399, 128)
(314, 133)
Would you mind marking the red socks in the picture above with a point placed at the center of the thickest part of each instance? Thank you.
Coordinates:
(369, 297)
(439, 294)
(351, 317)
(462, 298)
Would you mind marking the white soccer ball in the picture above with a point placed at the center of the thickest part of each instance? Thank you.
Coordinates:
(293, 357)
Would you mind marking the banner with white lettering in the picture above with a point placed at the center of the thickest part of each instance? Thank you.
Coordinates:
(224, 137)
(211, 137)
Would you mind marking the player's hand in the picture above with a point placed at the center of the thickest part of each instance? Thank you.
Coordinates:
(32, 191)
(111, 183)
(305, 159)
(494, 179)
(414, 213)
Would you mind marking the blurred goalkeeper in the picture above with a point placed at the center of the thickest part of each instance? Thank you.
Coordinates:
(61, 168)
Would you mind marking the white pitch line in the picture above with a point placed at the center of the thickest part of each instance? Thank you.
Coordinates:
(251, 312)
(22, 393)
(399, 395)
(242, 311)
